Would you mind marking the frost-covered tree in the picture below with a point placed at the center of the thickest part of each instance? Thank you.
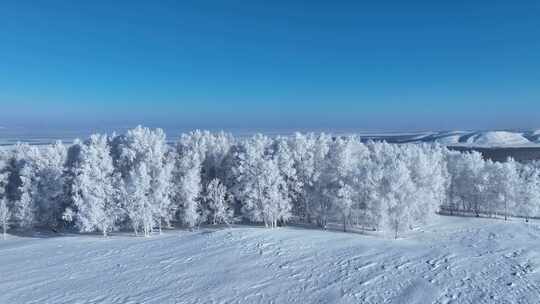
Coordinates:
(309, 153)
(395, 180)
(4, 173)
(71, 169)
(506, 183)
(478, 186)
(5, 215)
(137, 201)
(25, 184)
(430, 177)
(277, 205)
(230, 172)
(382, 157)
(212, 149)
(162, 192)
(284, 157)
(344, 201)
(249, 171)
(339, 178)
(301, 147)
(486, 194)
(187, 180)
(218, 205)
(454, 166)
(398, 197)
(219, 147)
(94, 194)
(368, 180)
(529, 192)
(137, 180)
(49, 191)
(261, 186)
(466, 186)
(213, 152)
(35, 185)
(145, 151)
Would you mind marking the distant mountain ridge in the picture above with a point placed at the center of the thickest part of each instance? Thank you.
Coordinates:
(466, 138)
(489, 138)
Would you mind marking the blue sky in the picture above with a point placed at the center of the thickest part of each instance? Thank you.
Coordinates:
(394, 65)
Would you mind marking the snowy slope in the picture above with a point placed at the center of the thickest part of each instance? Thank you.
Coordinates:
(464, 138)
(448, 140)
(481, 138)
(533, 136)
(497, 138)
(459, 260)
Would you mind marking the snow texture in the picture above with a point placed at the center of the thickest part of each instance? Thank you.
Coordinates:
(455, 260)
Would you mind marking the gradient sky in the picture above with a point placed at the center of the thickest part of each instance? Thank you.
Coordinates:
(392, 65)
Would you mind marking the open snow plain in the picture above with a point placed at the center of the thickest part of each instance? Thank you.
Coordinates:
(455, 260)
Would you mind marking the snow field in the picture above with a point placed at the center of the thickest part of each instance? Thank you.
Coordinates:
(455, 260)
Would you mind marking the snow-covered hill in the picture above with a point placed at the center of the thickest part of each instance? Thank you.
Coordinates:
(533, 136)
(456, 260)
(497, 138)
(465, 138)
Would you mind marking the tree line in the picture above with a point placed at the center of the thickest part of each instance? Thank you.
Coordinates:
(137, 181)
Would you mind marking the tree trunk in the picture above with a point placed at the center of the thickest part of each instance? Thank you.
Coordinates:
(135, 230)
(505, 210)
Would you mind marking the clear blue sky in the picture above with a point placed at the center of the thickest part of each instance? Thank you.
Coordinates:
(274, 64)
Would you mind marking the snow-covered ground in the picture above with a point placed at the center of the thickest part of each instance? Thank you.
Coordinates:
(456, 260)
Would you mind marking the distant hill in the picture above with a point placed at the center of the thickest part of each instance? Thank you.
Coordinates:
(457, 138)
(464, 138)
